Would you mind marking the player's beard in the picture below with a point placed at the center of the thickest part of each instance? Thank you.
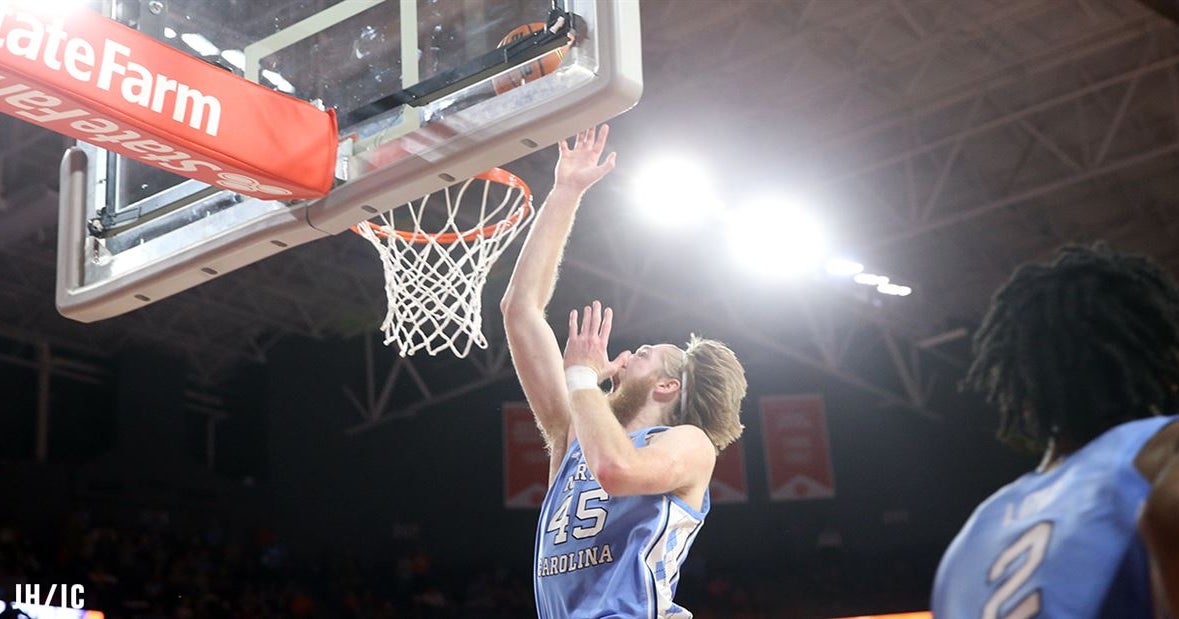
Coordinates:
(629, 398)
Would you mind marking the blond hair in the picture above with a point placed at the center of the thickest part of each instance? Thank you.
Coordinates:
(713, 384)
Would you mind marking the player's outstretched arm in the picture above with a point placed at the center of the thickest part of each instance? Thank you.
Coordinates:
(534, 348)
(1158, 461)
(676, 460)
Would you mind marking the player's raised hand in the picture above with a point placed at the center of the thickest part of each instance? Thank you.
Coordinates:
(589, 340)
(581, 165)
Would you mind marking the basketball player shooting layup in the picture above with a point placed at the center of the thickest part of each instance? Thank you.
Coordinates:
(1081, 355)
(628, 473)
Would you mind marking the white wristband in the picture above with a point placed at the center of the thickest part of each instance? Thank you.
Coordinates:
(578, 377)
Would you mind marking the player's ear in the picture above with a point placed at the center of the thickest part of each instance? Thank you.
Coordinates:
(667, 388)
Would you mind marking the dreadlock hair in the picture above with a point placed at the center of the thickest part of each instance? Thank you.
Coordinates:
(714, 384)
(1071, 348)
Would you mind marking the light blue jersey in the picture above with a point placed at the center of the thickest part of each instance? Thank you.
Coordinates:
(1059, 544)
(599, 556)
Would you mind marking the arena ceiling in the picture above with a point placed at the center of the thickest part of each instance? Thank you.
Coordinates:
(941, 141)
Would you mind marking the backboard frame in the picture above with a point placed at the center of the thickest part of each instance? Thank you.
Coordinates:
(390, 159)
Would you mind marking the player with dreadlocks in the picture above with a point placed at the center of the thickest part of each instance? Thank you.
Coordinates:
(1081, 356)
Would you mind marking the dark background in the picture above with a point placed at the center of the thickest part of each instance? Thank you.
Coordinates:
(434, 481)
(942, 142)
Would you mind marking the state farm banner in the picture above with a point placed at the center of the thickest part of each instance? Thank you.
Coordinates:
(728, 478)
(526, 461)
(798, 454)
(80, 74)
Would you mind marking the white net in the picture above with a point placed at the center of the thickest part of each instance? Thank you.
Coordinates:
(434, 280)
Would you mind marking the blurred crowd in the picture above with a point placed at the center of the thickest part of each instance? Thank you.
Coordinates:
(152, 568)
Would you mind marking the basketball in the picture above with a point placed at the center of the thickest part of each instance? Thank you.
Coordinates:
(534, 69)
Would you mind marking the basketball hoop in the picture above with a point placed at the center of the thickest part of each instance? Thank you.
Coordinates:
(434, 280)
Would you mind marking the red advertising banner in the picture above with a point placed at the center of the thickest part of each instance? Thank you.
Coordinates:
(919, 614)
(80, 74)
(798, 454)
(526, 461)
(728, 478)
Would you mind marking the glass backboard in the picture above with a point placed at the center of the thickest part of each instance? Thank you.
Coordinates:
(418, 87)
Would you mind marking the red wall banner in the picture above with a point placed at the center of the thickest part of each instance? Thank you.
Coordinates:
(728, 483)
(526, 461)
(924, 614)
(80, 74)
(798, 454)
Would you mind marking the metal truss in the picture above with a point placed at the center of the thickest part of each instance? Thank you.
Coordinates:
(976, 148)
(924, 118)
(823, 328)
(211, 406)
(51, 361)
(404, 389)
(833, 343)
(54, 359)
(1050, 152)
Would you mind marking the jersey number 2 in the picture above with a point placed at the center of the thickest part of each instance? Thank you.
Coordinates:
(1033, 543)
(560, 519)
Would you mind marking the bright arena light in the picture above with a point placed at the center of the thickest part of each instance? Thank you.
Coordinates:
(54, 7)
(869, 279)
(169, 33)
(882, 284)
(235, 57)
(200, 44)
(278, 80)
(840, 267)
(674, 191)
(775, 237)
(894, 289)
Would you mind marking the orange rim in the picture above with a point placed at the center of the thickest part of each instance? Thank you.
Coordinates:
(495, 175)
